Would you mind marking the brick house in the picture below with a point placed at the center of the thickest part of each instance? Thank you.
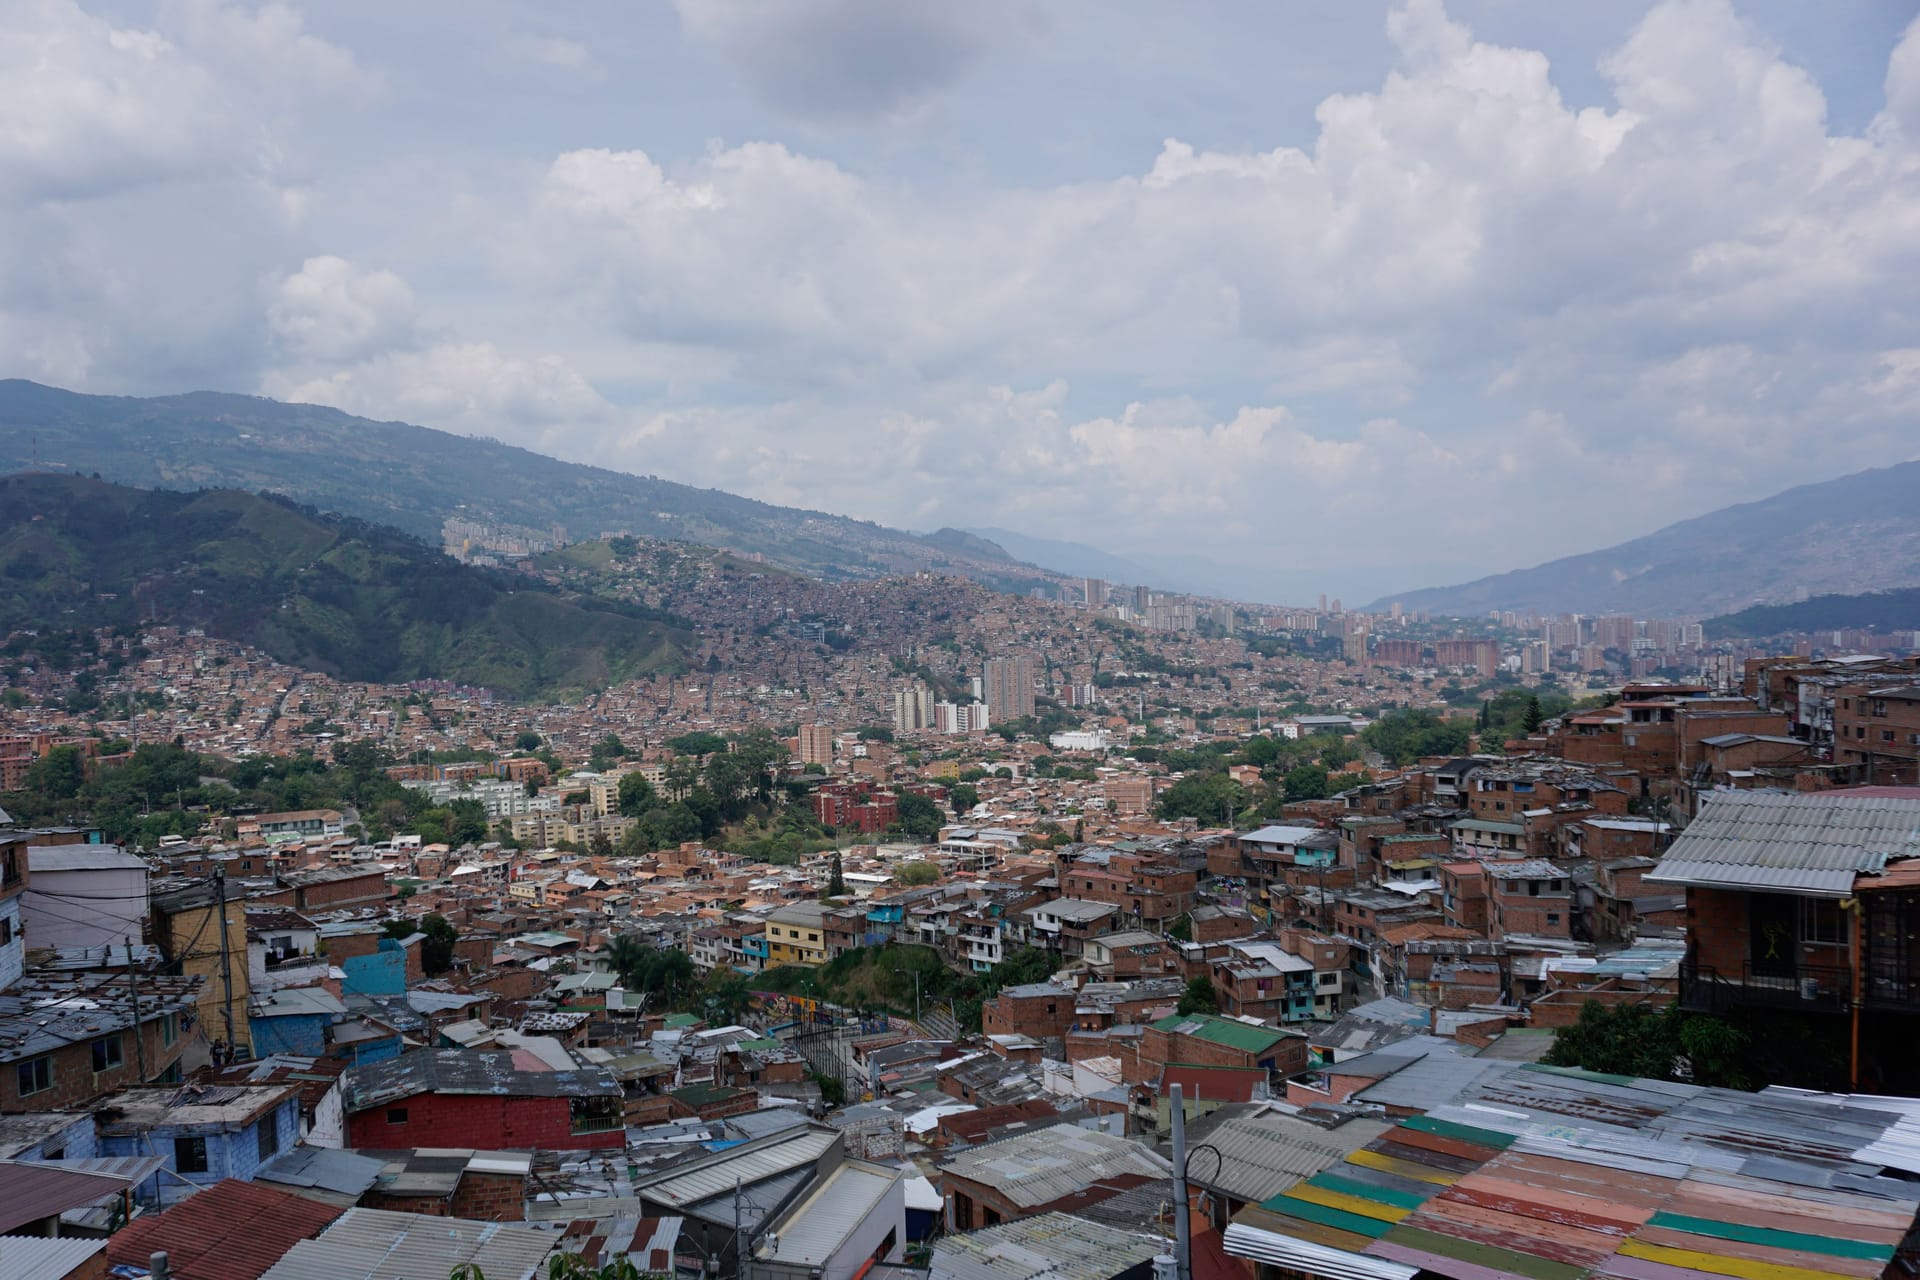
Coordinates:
(1876, 729)
(1810, 904)
(1531, 898)
(466, 1098)
(1038, 1171)
(66, 1038)
(1203, 1040)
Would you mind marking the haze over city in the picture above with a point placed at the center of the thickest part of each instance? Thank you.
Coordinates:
(1268, 297)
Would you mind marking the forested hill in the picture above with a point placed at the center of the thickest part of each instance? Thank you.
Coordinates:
(1876, 611)
(325, 593)
(414, 478)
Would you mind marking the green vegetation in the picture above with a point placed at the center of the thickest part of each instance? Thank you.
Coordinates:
(1199, 997)
(1405, 736)
(159, 791)
(883, 978)
(319, 592)
(1662, 1044)
(700, 743)
(1876, 611)
(1515, 713)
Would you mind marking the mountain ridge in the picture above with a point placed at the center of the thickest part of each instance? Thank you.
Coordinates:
(415, 477)
(1855, 534)
(325, 593)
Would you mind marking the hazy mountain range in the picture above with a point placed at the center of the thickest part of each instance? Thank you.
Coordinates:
(1860, 533)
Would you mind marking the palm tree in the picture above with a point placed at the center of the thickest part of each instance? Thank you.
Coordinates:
(630, 958)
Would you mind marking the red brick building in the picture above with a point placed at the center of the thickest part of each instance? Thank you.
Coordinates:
(480, 1099)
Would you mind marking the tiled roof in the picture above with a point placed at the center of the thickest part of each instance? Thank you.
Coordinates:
(231, 1231)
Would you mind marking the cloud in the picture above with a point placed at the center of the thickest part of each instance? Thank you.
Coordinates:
(468, 387)
(331, 311)
(1456, 292)
(853, 61)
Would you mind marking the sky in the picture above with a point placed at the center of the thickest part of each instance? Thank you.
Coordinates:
(1275, 292)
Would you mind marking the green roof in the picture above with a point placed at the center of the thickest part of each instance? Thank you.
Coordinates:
(1235, 1035)
(1485, 824)
(675, 1021)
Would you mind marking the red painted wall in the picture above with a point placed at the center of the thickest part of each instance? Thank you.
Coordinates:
(486, 1123)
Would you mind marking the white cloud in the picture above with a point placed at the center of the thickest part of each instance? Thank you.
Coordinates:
(331, 311)
(469, 387)
(1683, 286)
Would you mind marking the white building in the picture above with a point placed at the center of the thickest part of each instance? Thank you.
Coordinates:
(1081, 740)
(84, 895)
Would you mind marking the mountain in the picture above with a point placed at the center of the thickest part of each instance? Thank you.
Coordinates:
(324, 593)
(414, 478)
(1878, 611)
(1074, 559)
(1860, 533)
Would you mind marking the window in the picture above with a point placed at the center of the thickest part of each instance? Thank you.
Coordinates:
(813, 937)
(1822, 922)
(1553, 917)
(1886, 735)
(396, 1115)
(107, 1054)
(190, 1155)
(6, 930)
(269, 1132)
(169, 1029)
(35, 1076)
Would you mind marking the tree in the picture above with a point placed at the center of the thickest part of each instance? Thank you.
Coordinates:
(963, 797)
(1199, 997)
(1261, 750)
(919, 816)
(1306, 782)
(606, 751)
(636, 795)
(1530, 719)
(726, 998)
(600, 845)
(57, 776)
(1661, 1044)
(836, 880)
(874, 733)
(1407, 735)
(527, 741)
(436, 952)
(699, 743)
(915, 873)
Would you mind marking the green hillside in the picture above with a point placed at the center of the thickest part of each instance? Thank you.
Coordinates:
(413, 478)
(1875, 611)
(324, 593)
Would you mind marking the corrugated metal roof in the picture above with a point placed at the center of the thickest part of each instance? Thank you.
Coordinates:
(30, 1192)
(717, 1174)
(810, 1232)
(1813, 844)
(1040, 1166)
(1258, 1157)
(1050, 1246)
(376, 1244)
(39, 1258)
(231, 1231)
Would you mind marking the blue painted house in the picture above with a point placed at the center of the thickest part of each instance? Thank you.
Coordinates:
(203, 1132)
(297, 1020)
(381, 973)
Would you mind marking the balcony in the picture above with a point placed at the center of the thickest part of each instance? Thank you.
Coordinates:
(1812, 988)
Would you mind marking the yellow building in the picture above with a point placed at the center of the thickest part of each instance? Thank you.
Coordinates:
(186, 925)
(796, 934)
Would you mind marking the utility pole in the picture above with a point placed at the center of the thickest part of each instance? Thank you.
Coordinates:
(139, 1032)
(1182, 1227)
(226, 959)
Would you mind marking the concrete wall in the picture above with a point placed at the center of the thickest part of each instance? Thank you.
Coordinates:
(104, 907)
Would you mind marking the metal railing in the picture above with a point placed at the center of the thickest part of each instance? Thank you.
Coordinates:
(1811, 987)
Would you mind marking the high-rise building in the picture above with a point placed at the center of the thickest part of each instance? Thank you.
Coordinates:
(1142, 597)
(1096, 592)
(912, 709)
(1007, 685)
(961, 717)
(816, 744)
